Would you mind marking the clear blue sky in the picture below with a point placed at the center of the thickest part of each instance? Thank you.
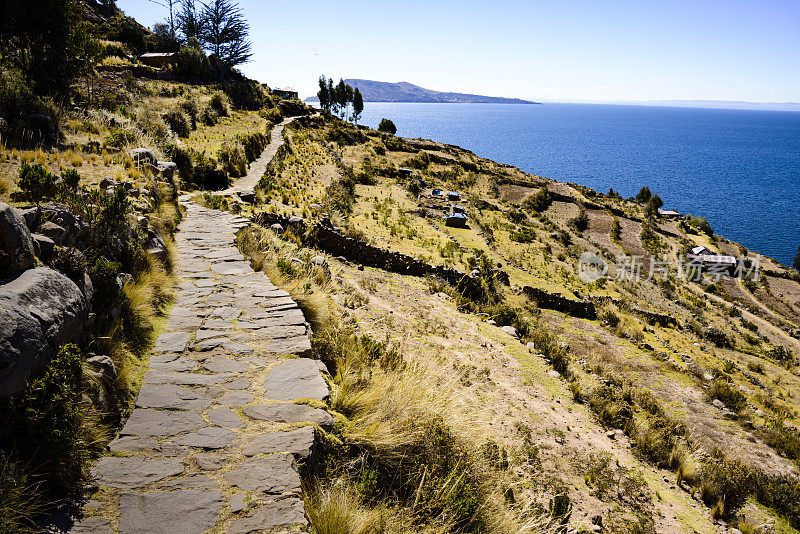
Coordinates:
(547, 50)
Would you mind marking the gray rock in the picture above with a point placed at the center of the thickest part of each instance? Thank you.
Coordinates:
(239, 383)
(172, 362)
(236, 398)
(133, 444)
(277, 228)
(171, 342)
(299, 442)
(279, 513)
(143, 156)
(193, 482)
(91, 525)
(225, 417)
(134, 471)
(225, 365)
(32, 216)
(272, 474)
(299, 345)
(718, 404)
(298, 378)
(231, 267)
(510, 330)
(210, 461)
(176, 512)
(289, 413)
(237, 503)
(40, 310)
(207, 438)
(247, 195)
(43, 245)
(53, 231)
(148, 422)
(105, 365)
(185, 379)
(16, 245)
(171, 396)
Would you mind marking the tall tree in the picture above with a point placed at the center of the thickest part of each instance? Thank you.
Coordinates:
(188, 21)
(358, 105)
(341, 97)
(225, 32)
(323, 94)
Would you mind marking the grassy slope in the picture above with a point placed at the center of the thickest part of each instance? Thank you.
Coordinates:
(504, 388)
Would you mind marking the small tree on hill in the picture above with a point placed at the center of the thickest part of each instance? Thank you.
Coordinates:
(796, 264)
(324, 94)
(643, 195)
(358, 105)
(387, 126)
(224, 32)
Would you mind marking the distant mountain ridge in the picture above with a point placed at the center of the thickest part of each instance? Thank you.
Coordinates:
(374, 91)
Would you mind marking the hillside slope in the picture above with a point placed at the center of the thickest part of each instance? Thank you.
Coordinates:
(655, 404)
(374, 91)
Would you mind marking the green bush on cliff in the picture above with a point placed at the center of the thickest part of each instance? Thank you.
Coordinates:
(45, 445)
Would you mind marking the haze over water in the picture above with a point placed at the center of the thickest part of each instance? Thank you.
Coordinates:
(738, 168)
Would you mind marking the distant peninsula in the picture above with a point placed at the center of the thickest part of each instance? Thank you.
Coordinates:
(374, 91)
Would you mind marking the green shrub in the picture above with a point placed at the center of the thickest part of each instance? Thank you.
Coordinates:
(218, 104)
(273, 115)
(700, 223)
(387, 126)
(232, 157)
(616, 230)
(114, 50)
(246, 95)
(728, 393)
(611, 408)
(191, 63)
(207, 175)
(539, 201)
(104, 275)
(177, 122)
(119, 138)
(581, 221)
(254, 144)
(523, 235)
(217, 202)
(644, 195)
(41, 429)
(209, 116)
(189, 107)
(35, 182)
(725, 481)
(71, 178)
(183, 160)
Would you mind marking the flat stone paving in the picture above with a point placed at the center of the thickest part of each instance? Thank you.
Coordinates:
(217, 433)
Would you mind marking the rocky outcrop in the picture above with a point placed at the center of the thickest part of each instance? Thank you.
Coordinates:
(39, 310)
(16, 245)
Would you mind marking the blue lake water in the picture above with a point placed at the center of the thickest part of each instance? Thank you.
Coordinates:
(738, 168)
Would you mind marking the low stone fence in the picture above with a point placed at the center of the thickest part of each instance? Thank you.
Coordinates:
(583, 309)
(334, 242)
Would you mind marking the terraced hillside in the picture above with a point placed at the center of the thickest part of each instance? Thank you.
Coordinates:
(669, 407)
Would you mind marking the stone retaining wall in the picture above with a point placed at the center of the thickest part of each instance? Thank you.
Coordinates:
(583, 309)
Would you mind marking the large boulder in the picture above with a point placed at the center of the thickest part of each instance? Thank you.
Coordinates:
(16, 245)
(143, 156)
(39, 310)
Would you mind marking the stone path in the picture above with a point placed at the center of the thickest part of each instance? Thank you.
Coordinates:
(228, 406)
(259, 166)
